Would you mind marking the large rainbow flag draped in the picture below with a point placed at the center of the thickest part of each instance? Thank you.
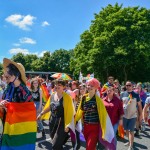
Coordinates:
(45, 93)
(20, 127)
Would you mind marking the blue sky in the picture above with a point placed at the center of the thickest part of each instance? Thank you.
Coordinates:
(36, 26)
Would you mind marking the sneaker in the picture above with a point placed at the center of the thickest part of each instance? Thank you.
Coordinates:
(130, 148)
(126, 144)
(143, 127)
(136, 133)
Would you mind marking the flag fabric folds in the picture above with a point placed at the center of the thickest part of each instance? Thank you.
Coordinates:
(20, 127)
(45, 93)
(106, 132)
(121, 131)
(69, 113)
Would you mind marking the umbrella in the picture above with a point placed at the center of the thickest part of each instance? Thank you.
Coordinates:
(63, 76)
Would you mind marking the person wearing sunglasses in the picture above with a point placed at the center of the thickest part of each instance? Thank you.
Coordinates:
(130, 102)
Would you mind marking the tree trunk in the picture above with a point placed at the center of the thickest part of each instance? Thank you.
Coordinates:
(125, 74)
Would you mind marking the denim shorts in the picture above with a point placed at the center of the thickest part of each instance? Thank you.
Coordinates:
(129, 124)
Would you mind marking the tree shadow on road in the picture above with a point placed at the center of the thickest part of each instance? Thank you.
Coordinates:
(45, 145)
(138, 146)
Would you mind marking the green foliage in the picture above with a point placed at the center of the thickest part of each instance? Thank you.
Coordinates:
(59, 61)
(117, 43)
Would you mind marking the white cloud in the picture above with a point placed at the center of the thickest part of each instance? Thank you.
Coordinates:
(16, 44)
(45, 23)
(18, 50)
(23, 22)
(26, 51)
(41, 54)
(26, 40)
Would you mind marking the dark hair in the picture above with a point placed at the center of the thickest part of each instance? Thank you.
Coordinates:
(60, 81)
(13, 70)
(110, 77)
(82, 85)
(130, 82)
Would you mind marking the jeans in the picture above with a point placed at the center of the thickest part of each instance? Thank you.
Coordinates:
(39, 122)
(115, 127)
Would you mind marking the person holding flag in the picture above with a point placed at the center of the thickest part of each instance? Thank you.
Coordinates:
(130, 102)
(61, 111)
(19, 111)
(96, 122)
(106, 85)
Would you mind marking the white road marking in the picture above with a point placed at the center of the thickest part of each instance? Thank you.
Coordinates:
(49, 139)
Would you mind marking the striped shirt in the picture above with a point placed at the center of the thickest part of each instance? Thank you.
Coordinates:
(90, 111)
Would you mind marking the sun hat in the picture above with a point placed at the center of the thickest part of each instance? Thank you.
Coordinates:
(19, 66)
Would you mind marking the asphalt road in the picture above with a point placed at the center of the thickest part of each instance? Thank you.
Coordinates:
(140, 143)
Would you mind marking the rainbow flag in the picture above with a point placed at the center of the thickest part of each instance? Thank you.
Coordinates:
(121, 131)
(130, 98)
(45, 93)
(20, 127)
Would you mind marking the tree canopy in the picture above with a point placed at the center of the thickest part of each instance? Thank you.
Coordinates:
(58, 61)
(117, 43)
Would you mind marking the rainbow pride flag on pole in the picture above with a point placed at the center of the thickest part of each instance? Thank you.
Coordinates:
(20, 127)
(45, 93)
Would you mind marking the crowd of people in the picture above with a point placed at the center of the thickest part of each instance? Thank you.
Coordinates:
(74, 108)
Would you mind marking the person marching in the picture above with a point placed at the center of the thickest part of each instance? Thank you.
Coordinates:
(96, 122)
(37, 98)
(19, 110)
(114, 108)
(130, 101)
(62, 116)
(82, 92)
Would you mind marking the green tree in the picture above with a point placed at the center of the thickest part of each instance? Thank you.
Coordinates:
(19, 58)
(28, 61)
(60, 61)
(116, 44)
(45, 62)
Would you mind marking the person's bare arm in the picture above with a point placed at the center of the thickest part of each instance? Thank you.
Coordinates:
(145, 113)
(140, 110)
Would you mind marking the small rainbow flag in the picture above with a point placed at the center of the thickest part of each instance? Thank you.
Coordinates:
(20, 127)
(121, 131)
(130, 98)
(45, 93)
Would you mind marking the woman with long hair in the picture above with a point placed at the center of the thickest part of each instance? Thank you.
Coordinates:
(37, 98)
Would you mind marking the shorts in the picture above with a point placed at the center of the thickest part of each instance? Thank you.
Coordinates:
(129, 124)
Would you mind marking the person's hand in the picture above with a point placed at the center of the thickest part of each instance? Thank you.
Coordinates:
(3, 103)
(67, 129)
(120, 122)
(39, 116)
(38, 111)
(145, 119)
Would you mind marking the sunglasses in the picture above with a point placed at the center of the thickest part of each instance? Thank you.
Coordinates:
(128, 85)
